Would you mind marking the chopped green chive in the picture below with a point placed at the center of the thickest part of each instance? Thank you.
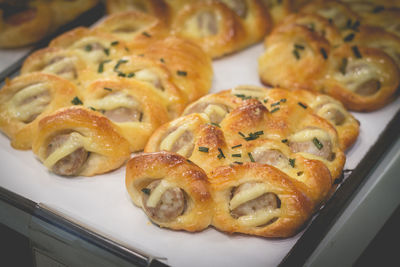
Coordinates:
(296, 54)
(284, 141)
(221, 154)
(92, 108)
(88, 48)
(297, 46)
(146, 191)
(241, 134)
(146, 34)
(283, 100)
(292, 162)
(162, 60)
(356, 52)
(236, 155)
(299, 173)
(317, 143)
(141, 116)
(265, 101)
(274, 110)
(378, 9)
(181, 73)
(237, 146)
(101, 66)
(106, 51)
(215, 124)
(108, 89)
(275, 104)
(243, 97)
(238, 162)
(343, 66)
(323, 53)
(203, 149)
(251, 157)
(349, 37)
(302, 105)
(253, 136)
(76, 101)
(353, 26)
(114, 43)
(121, 61)
(130, 75)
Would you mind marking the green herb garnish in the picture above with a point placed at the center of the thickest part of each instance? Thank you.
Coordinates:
(88, 48)
(323, 53)
(162, 60)
(236, 155)
(146, 191)
(181, 73)
(76, 101)
(203, 149)
(284, 141)
(108, 89)
(349, 37)
(121, 61)
(215, 124)
(274, 110)
(317, 143)
(302, 105)
(146, 34)
(343, 66)
(251, 157)
(292, 162)
(114, 43)
(238, 162)
(221, 154)
(296, 54)
(106, 51)
(356, 52)
(101, 66)
(237, 146)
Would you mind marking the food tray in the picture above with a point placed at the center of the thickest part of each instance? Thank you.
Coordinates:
(99, 208)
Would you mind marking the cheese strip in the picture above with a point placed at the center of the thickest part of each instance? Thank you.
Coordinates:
(172, 138)
(157, 192)
(259, 217)
(309, 134)
(113, 101)
(39, 97)
(357, 73)
(214, 109)
(149, 76)
(74, 142)
(246, 195)
(326, 108)
(60, 65)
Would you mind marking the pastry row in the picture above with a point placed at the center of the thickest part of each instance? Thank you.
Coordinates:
(250, 160)
(347, 49)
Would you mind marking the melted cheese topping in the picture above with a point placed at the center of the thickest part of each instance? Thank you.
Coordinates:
(247, 195)
(113, 101)
(326, 103)
(59, 66)
(170, 140)
(327, 107)
(74, 142)
(147, 75)
(363, 71)
(254, 93)
(259, 217)
(40, 98)
(308, 134)
(94, 55)
(215, 109)
(157, 192)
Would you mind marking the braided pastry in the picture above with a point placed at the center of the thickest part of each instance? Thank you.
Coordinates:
(173, 192)
(219, 27)
(270, 156)
(27, 22)
(78, 141)
(28, 98)
(339, 51)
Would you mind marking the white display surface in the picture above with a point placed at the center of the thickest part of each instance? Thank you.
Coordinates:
(103, 204)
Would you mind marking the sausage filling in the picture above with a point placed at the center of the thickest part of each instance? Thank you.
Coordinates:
(179, 141)
(271, 157)
(163, 202)
(312, 141)
(252, 204)
(70, 164)
(30, 102)
(206, 24)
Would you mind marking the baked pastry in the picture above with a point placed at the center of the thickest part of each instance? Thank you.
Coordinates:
(28, 98)
(27, 22)
(345, 56)
(173, 192)
(132, 25)
(63, 63)
(218, 135)
(154, 76)
(272, 156)
(78, 141)
(257, 199)
(131, 105)
(219, 27)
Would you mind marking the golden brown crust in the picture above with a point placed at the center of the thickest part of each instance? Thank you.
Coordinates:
(28, 98)
(108, 150)
(113, 94)
(293, 212)
(143, 169)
